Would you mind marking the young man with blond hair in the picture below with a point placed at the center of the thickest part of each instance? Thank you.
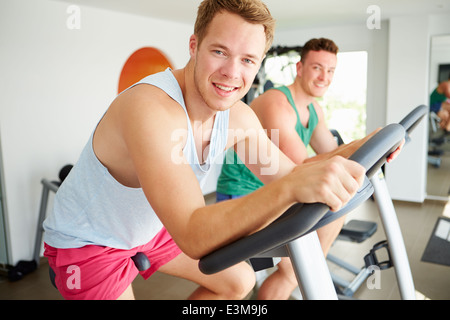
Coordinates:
(137, 184)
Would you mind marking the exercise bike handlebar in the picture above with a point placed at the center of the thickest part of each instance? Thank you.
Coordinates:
(409, 123)
(300, 218)
(413, 118)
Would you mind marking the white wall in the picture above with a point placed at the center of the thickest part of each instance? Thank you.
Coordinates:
(408, 83)
(55, 84)
(409, 47)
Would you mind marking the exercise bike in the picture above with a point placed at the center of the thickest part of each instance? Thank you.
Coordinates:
(293, 234)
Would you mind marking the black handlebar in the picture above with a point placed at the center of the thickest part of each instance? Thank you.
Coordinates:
(413, 118)
(300, 219)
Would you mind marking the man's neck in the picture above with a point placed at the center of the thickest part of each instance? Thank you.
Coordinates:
(301, 98)
(196, 107)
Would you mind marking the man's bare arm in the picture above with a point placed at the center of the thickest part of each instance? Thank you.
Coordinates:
(163, 173)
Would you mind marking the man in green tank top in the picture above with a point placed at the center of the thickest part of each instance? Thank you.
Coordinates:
(440, 103)
(293, 114)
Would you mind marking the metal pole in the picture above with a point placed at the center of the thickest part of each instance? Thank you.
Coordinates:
(394, 237)
(311, 268)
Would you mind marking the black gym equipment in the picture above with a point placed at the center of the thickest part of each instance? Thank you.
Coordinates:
(293, 233)
(301, 219)
(47, 186)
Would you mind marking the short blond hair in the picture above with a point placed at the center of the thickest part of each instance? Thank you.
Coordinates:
(253, 11)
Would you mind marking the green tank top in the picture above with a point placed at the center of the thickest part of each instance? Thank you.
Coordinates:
(236, 179)
(437, 97)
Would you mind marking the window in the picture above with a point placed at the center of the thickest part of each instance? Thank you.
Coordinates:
(344, 103)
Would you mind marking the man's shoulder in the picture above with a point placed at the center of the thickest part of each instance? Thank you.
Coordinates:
(151, 102)
(277, 92)
(272, 103)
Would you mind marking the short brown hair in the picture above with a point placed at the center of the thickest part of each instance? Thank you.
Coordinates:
(253, 11)
(318, 45)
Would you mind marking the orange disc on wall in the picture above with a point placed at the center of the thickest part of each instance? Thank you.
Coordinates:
(141, 63)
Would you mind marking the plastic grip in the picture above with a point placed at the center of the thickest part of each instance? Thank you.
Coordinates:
(413, 118)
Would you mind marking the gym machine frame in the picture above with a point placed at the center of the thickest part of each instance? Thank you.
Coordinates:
(293, 234)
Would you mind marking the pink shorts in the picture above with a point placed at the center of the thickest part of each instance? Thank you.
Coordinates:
(103, 273)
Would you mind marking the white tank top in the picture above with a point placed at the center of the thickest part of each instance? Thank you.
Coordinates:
(92, 208)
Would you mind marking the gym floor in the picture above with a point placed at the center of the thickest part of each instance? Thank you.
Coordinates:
(432, 281)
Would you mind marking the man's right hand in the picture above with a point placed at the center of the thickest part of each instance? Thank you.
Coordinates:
(332, 182)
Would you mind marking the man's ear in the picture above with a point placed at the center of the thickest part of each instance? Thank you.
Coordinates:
(299, 68)
(193, 44)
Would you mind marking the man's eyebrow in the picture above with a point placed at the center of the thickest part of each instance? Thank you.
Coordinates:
(321, 65)
(225, 48)
(219, 46)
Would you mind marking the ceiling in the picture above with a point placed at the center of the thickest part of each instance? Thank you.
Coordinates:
(288, 13)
